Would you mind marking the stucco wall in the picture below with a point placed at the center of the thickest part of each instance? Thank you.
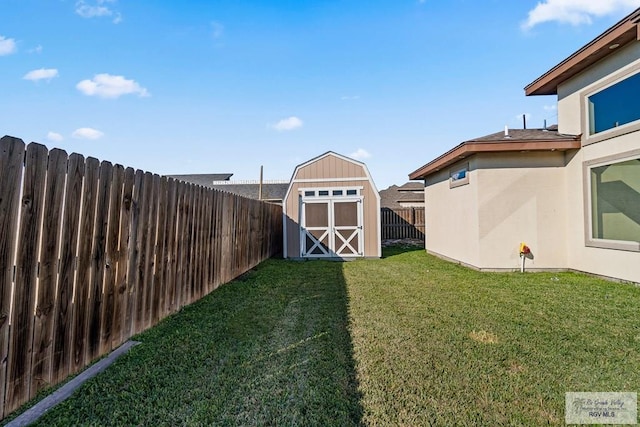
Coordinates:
(510, 198)
(451, 216)
(619, 264)
(521, 198)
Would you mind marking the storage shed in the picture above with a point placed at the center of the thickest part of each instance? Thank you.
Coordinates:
(331, 210)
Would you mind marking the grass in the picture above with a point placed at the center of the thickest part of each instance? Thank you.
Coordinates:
(405, 340)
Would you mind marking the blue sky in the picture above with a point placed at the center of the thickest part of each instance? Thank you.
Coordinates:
(228, 86)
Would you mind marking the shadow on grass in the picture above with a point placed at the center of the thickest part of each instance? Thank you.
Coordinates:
(272, 348)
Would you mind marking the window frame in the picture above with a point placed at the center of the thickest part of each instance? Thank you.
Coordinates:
(455, 171)
(607, 82)
(591, 241)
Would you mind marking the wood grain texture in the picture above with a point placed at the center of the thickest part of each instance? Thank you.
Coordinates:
(83, 275)
(48, 277)
(12, 152)
(63, 328)
(22, 319)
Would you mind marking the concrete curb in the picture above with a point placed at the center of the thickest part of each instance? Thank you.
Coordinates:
(61, 394)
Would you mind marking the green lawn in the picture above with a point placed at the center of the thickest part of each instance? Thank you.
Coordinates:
(405, 340)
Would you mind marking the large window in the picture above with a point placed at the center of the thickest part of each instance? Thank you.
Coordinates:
(614, 203)
(615, 106)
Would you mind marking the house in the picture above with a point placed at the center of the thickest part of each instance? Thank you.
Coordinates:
(571, 194)
(271, 191)
(408, 195)
(204, 179)
(331, 210)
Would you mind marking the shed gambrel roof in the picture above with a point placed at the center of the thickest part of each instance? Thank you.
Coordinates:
(339, 156)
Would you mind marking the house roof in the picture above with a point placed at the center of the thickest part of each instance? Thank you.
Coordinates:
(410, 192)
(205, 179)
(270, 191)
(624, 32)
(411, 187)
(521, 140)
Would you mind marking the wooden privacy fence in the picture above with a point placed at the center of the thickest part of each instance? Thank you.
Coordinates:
(91, 254)
(402, 223)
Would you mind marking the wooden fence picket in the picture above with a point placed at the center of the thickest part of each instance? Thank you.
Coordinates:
(22, 318)
(64, 308)
(122, 255)
(12, 152)
(48, 275)
(111, 260)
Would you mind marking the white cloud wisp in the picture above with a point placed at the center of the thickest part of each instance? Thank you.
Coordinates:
(7, 46)
(97, 10)
(575, 12)
(360, 154)
(41, 74)
(54, 136)
(87, 133)
(108, 86)
(287, 124)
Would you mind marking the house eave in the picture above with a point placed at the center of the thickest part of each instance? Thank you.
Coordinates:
(469, 148)
(624, 32)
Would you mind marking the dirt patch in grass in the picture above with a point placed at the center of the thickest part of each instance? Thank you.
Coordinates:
(483, 337)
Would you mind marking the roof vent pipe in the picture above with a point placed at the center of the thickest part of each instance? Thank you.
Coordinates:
(506, 131)
(524, 121)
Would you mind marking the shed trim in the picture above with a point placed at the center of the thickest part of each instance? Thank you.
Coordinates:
(359, 178)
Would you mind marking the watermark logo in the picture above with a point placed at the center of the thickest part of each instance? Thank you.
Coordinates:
(601, 408)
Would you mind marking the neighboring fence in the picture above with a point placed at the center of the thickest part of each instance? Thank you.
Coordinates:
(91, 254)
(402, 223)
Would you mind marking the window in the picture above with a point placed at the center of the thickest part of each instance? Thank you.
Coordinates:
(459, 176)
(615, 106)
(614, 202)
(330, 192)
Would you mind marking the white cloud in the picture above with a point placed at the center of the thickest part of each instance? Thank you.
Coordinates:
(217, 29)
(41, 74)
(360, 154)
(550, 107)
(87, 133)
(54, 136)
(7, 46)
(350, 97)
(108, 86)
(289, 123)
(575, 12)
(97, 10)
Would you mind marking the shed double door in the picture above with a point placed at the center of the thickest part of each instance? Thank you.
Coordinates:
(331, 228)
